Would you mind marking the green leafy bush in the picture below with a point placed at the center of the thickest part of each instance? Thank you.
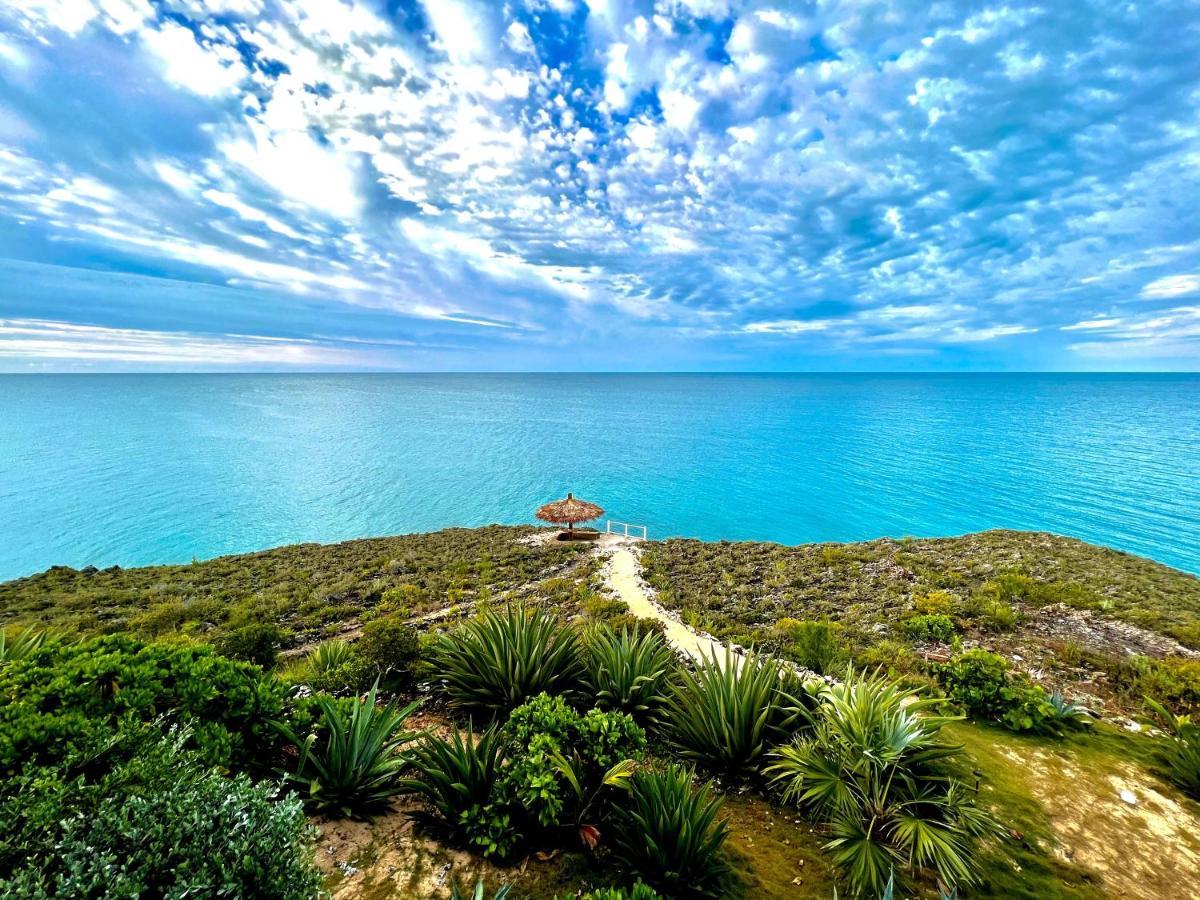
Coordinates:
(351, 763)
(669, 834)
(815, 645)
(561, 760)
(1179, 748)
(1172, 682)
(388, 647)
(935, 603)
(629, 671)
(459, 777)
(936, 628)
(256, 643)
(502, 658)
(139, 815)
(62, 696)
(728, 712)
(875, 771)
(982, 683)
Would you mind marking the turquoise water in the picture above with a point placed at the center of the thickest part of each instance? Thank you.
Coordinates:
(138, 469)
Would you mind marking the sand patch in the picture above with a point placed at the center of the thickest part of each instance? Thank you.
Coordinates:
(1148, 848)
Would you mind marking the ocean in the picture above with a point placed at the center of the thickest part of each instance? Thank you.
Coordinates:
(140, 469)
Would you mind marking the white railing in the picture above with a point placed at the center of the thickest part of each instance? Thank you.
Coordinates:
(613, 527)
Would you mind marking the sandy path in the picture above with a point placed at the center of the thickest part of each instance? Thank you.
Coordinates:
(624, 574)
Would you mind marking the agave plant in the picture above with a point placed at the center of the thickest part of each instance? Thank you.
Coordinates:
(628, 672)
(728, 713)
(668, 833)
(1068, 714)
(458, 776)
(20, 644)
(1180, 748)
(502, 658)
(479, 892)
(877, 772)
(328, 656)
(352, 764)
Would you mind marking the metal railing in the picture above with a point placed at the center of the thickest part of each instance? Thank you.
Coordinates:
(613, 527)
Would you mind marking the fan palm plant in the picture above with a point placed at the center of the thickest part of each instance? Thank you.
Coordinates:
(329, 655)
(352, 763)
(20, 644)
(502, 658)
(628, 672)
(877, 772)
(729, 712)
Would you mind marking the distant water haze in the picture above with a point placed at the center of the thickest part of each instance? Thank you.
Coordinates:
(142, 469)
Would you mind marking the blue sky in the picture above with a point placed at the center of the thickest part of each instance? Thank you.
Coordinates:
(596, 184)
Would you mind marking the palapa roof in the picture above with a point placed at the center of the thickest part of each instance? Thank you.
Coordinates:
(569, 511)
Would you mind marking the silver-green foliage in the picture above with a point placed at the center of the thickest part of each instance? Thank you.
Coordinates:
(876, 770)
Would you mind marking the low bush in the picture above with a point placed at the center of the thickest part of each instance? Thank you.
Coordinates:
(1179, 748)
(139, 815)
(500, 659)
(936, 628)
(982, 683)
(628, 671)
(668, 833)
(817, 646)
(350, 763)
(562, 760)
(1171, 682)
(726, 713)
(876, 772)
(892, 656)
(935, 603)
(257, 643)
(459, 777)
(61, 696)
(388, 649)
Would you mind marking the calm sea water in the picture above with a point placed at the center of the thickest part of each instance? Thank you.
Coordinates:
(140, 469)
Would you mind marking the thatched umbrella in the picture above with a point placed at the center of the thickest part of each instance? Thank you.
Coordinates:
(569, 512)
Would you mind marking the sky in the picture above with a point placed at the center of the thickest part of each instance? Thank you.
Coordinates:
(570, 185)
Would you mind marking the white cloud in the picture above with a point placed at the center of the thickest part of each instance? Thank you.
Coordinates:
(1172, 286)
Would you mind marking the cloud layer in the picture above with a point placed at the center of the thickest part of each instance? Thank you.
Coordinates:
(602, 184)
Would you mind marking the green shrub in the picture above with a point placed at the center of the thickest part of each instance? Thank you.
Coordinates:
(332, 667)
(817, 646)
(61, 696)
(1179, 748)
(15, 645)
(1171, 682)
(668, 833)
(727, 713)
(502, 658)
(139, 815)
(460, 777)
(561, 760)
(389, 648)
(875, 771)
(629, 671)
(935, 603)
(351, 763)
(982, 683)
(257, 643)
(936, 628)
(893, 656)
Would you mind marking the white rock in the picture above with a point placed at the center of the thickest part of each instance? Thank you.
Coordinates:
(1129, 797)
